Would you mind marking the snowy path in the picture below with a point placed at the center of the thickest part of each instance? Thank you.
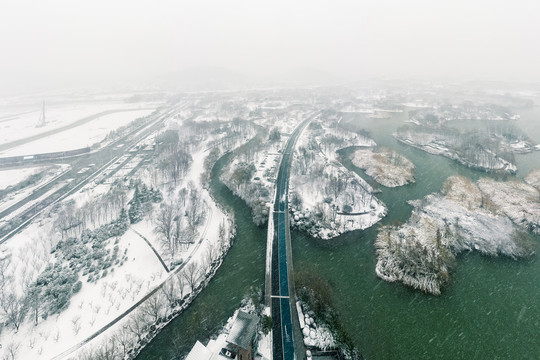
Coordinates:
(153, 249)
(141, 301)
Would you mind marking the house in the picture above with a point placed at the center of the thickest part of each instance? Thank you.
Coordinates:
(242, 335)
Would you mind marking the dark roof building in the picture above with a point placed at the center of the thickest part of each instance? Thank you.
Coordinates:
(243, 330)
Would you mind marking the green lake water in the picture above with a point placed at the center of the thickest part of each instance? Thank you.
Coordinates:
(490, 311)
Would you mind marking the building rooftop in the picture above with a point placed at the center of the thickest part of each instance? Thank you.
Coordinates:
(243, 330)
(199, 352)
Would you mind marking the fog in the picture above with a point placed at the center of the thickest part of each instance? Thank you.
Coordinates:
(49, 45)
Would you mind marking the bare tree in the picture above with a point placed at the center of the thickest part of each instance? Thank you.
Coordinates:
(5, 275)
(165, 224)
(14, 308)
(76, 324)
(182, 196)
(192, 274)
(177, 234)
(68, 220)
(12, 349)
(169, 290)
(108, 350)
(137, 324)
(212, 253)
(124, 340)
(181, 284)
(153, 307)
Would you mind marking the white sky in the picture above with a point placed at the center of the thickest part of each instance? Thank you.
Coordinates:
(51, 43)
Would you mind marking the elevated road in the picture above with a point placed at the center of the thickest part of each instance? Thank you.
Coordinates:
(280, 283)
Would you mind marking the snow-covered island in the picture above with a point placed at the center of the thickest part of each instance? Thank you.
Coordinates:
(325, 198)
(473, 149)
(385, 166)
(463, 217)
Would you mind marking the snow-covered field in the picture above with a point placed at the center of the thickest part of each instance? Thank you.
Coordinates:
(18, 126)
(464, 217)
(11, 177)
(79, 137)
(385, 166)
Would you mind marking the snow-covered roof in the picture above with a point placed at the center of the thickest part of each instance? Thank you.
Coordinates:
(199, 352)
(243, 330)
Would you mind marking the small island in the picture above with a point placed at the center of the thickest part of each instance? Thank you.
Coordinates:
(385, 166)
(470, 148)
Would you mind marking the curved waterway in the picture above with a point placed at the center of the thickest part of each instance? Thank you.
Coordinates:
(242, 269)
(490, 310)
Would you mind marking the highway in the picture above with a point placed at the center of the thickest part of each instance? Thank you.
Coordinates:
(282, 296)
(103, 159)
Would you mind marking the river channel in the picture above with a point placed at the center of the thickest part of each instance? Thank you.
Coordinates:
(490, 310)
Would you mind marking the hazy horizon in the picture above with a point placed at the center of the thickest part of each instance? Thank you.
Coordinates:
(64, 44)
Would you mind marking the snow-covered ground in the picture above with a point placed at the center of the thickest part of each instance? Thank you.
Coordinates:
(385, 166)
(421, 253)
(11, 177)
(519, 201)
(17, 125)
(79, 137)
(15, 176)
(140, 271)
(325, 198)
(533, 178)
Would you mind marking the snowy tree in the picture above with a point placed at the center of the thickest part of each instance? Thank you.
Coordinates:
(135, 211)
(166, 222)
(191, 274)
(14, 308)
(274, 135)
